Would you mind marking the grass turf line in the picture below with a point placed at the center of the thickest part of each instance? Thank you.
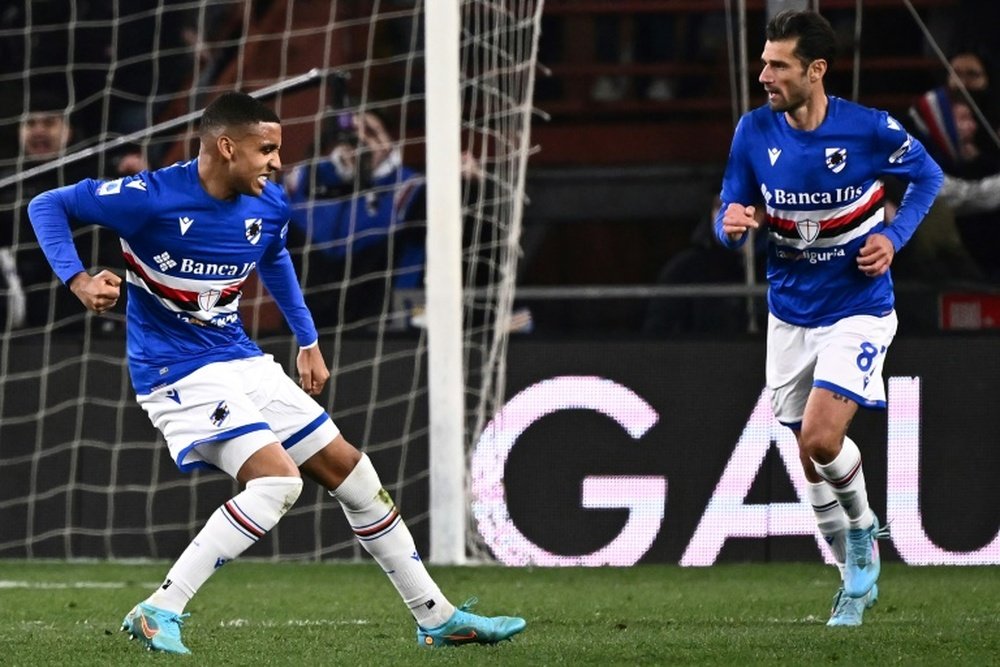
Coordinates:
(348, 614)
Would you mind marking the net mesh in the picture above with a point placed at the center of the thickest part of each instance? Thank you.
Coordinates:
(95, 90)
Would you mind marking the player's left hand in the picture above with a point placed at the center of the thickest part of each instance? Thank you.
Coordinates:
(875, 257)
(312, 369)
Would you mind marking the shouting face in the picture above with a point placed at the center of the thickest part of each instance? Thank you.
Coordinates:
(44, 135)
(253, 157)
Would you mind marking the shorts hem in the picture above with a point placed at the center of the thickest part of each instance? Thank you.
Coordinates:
(303, 432)
(857, 398)
(225, 435)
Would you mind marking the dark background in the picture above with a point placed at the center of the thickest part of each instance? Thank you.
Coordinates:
(69, 492)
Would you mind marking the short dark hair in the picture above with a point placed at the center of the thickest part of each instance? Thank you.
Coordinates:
(44, 101)
(816, 38)
(230, 109)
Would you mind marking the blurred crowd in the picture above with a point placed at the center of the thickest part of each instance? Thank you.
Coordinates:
(359, 209)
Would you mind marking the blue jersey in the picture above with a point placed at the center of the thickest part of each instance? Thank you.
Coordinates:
(823, 196)
(187, 255)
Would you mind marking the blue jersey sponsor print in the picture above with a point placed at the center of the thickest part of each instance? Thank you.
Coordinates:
(187, 255)
(823, 196)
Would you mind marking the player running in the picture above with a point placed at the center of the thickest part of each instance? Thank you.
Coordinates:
(191, 234)
(815, 162)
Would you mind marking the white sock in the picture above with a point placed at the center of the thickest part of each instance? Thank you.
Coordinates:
(847, 480)
(240, 522)
(831, 520)
(381, 531)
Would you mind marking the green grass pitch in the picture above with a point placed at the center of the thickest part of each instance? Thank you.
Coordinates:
(255, 613)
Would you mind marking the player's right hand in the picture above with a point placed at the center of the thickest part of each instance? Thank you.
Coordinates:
(737, 220)
(98, 293)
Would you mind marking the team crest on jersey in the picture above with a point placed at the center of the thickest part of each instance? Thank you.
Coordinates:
(808, 229)
(836, 159)
(208, 299)
(220, 414)
(253, 228)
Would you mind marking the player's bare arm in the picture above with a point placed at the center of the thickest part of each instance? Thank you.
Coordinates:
(99, 293)
(737, 220)
(875, 257)
(312, 369)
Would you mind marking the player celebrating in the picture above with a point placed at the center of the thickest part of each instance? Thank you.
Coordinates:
(815, 161)
(191, 234)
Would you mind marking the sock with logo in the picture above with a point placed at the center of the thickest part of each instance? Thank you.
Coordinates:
(380, 529)
(847, 481)
(239, 523)
(830, 518)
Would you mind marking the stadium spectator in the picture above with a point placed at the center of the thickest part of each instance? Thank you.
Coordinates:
(360, 217)
(45, 134)
(952, 245)
(941, 118)
(815, 162)
(193, 233)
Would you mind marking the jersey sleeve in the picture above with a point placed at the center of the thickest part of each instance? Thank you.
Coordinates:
(112, 204)
(907, 158)
(738, 181)
(278, 274)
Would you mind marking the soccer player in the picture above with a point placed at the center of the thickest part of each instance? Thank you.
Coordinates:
(191, 234)
(814, 161)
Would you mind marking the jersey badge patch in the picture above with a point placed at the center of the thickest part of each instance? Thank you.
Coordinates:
(836, 159)
(807, 229)
(901, 151)
(253, 229)
(109, 188)
(185, 223)
(137, 184)
(208, 299)
(773, 154)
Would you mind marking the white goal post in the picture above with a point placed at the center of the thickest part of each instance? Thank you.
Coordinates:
(444, 284)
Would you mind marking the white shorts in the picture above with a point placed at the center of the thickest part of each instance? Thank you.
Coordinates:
(845, 357)
(222, 413)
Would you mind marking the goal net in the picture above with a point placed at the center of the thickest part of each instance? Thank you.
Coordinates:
(102, 89)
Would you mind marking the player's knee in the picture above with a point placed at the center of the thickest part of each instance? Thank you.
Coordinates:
(819, 446)
(282, 491)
